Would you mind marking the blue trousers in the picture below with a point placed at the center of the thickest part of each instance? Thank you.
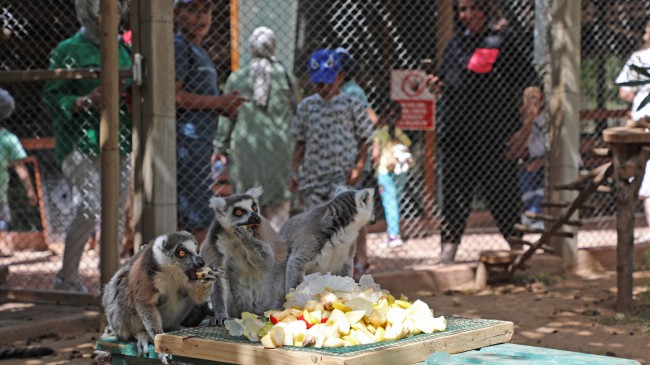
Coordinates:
(390, 201)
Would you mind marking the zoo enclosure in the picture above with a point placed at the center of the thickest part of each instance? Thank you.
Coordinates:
(382, 35)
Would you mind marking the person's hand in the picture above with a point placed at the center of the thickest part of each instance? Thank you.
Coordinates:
(93, 99)
(435, 84)
(32, 198)
(294, 184)
(178, 88)
(232, 102)
(95, 96)
(353, 177)
(517, 144)
(535, 165)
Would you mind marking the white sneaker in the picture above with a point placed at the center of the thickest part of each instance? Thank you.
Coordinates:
(62, 285)
(392, 242)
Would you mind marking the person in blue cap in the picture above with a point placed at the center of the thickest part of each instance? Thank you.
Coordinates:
(331, 130)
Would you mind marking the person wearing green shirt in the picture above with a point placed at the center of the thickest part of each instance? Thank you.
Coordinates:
(74, 106)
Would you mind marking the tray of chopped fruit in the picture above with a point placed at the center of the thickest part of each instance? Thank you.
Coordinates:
(331, 319)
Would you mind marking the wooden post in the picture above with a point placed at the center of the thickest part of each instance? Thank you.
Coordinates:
(445, 30)
(631, 150)
(563, 95)
(154, 132)
(626, 199)
(109, 141)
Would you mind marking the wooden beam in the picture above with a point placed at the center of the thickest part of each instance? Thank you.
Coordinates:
(154, 188)
(57, 74)
(109, 141)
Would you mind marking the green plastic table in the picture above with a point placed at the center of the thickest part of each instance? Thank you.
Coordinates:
(125, 352)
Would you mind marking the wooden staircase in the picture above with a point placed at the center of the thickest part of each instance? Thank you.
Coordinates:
(501, 265)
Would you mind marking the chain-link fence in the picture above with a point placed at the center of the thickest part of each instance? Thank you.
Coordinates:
(457, 173)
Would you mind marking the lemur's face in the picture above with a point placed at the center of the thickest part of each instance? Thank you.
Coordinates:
(245, 213)
(178, 249)
(238, 210)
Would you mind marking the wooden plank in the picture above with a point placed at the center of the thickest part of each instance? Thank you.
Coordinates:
(57, 74)
(459, 337)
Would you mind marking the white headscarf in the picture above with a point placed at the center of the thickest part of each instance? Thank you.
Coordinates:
(7, 104)
(262, 43)
(87, 13)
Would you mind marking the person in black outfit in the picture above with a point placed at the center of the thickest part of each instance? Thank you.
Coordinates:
(484, 80)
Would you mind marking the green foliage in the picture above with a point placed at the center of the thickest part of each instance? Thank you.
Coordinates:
(589, 77)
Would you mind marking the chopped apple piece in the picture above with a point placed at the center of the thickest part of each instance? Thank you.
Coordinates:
(379, 334)
(315, 316)
(287, 340)
(364, 338)
(355, 316)
(360, 304)
(277, 335)
(245, 315)
(327, 299)
(395, 315)
(310, 305)
(267, 342)
(251, 327)
(349, 340)
(402, 303)
(377, 318)
(334, 342)
(340, 320)
(290, 318)
(340, 306)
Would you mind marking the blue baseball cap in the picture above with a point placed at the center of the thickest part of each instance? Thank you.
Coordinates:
(348, 62)
(178, 3)
(324, 65)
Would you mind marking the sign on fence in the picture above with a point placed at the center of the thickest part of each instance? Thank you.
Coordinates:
(409, 88)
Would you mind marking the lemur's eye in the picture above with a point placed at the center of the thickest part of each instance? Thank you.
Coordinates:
(182, 253)
(254, 207)
(238, 212)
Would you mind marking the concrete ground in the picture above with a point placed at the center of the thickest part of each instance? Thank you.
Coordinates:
(72, 330)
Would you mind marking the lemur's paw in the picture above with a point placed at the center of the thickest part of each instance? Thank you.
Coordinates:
(218, 320)
(243, 233)
(143, 347)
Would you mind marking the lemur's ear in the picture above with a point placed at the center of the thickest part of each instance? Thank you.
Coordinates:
(255, 192)
(217, 203)
(365, 196)
(340, 189)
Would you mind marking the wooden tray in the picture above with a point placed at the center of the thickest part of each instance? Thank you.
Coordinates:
(213, 343)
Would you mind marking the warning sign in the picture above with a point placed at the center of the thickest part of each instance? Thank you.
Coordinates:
(409, 88)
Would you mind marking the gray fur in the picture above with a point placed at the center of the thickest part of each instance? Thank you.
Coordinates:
(323, 239)
(253, 260)
(152, 293)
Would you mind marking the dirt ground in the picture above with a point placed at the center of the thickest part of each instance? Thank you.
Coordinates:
(565, 312)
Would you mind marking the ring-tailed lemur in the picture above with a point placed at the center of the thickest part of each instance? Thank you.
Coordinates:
(251, 254)
(158, 289)
(323, 239)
